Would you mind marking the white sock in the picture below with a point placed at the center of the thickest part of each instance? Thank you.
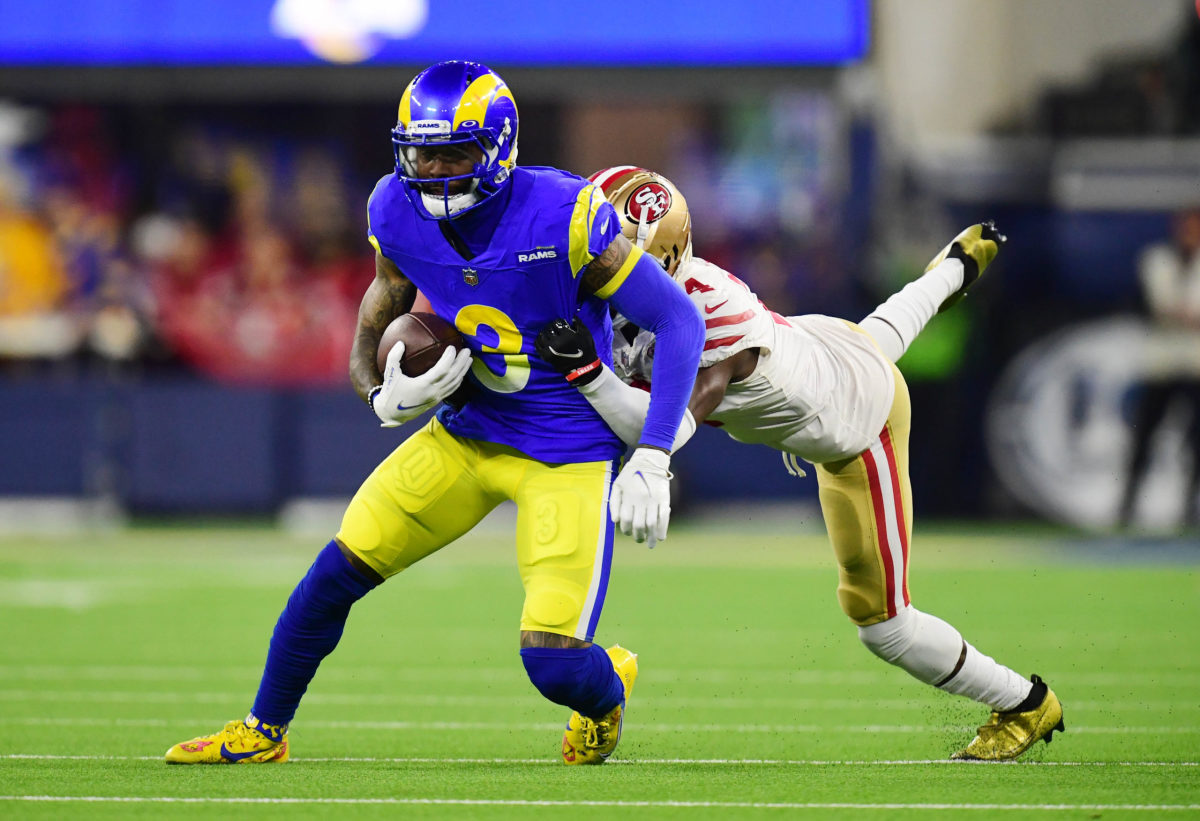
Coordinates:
(932, 651)
(896, 323)
(985, 680)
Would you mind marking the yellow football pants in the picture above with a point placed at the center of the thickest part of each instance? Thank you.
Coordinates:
(437, 486)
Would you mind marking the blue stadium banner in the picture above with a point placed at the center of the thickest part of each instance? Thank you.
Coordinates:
(514, 33)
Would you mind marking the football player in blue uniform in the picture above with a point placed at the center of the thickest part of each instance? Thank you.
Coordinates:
(500, 251)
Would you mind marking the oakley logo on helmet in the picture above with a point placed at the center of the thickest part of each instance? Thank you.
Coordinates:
(651, 199)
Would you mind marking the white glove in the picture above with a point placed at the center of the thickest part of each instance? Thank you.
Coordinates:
(407, 397)
(640, 502)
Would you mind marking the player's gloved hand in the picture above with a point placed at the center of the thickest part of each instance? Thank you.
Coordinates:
(406, 397)
(570, 350)
(640, 502)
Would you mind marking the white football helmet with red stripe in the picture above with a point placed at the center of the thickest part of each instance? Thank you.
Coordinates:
(654, 215)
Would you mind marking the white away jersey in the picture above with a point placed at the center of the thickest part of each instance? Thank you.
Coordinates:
(822, 390)
(734, 320)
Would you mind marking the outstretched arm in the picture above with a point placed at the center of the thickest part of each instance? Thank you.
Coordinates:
(641, 290)
(388, 296)
(572, 351)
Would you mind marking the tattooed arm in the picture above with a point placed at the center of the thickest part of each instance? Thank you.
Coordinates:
(643, 292)
(388, 296)
(603, 268)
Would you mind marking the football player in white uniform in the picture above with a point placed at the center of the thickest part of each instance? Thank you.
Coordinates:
(827, 391)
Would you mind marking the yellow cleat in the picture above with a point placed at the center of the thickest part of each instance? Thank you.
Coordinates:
(1007, 735)
(975, 247)
(245, 741)
(592, 741)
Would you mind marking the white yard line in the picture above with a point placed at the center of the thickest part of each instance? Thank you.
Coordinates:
(505, 802)
(724, 762)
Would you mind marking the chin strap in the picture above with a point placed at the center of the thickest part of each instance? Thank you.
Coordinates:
(449, 205)
(643, 230)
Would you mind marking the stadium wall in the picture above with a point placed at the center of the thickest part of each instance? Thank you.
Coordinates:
(182, 445)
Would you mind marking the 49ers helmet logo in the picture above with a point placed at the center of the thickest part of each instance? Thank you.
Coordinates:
(652, 199)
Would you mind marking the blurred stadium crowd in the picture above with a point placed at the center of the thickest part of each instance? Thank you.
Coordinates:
(237, 257)
(228, 241)
(223, 242)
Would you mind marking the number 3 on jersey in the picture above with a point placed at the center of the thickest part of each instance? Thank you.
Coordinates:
(501, 367)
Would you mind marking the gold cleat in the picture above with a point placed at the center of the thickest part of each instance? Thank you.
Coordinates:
(1006, 735)
(975, 247)
(241, 741)
(592, 741)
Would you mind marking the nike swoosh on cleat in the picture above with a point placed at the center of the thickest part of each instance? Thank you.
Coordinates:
(708, 309)
(575, 355)
(230, 755)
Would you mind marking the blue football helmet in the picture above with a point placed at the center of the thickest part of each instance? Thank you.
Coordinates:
(456, 102)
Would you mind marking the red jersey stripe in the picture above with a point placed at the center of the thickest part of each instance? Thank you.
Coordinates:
(779, 319)
(722, 342)
(717, 322)
(609, 177)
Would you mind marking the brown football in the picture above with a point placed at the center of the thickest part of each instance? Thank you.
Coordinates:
(425, 336)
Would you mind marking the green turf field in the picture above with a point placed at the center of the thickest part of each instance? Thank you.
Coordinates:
(755, 699)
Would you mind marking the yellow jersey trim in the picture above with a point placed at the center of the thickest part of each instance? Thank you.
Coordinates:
(609, 288)
(587, 203)
(370, 233)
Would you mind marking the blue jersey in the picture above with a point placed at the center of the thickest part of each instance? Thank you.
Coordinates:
(528, 276)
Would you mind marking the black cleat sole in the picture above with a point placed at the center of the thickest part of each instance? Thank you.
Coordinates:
(1060, 727)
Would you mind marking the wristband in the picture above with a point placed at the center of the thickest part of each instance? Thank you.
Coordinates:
(371, 394)
(578, 375)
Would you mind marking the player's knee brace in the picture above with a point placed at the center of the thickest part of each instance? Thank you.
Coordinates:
(581, 678)
(307, 631)
(926, 647)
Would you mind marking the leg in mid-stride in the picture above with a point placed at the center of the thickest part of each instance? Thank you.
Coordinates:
(900, 319)
(564, 552)
(308, 630)
(426, 494)
(867, 504)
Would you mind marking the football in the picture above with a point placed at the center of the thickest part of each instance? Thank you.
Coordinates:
(425, 337)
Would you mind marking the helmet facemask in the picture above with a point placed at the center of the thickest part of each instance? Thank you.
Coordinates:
(438, 109)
